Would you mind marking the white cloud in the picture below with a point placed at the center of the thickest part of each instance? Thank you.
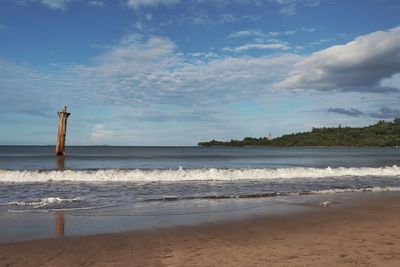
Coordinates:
(282, 33)
(62, 4)
(260, 34)
(23, 88)
(392, 82)
(289, 7)
(331, 38)
(100, 134)
(96, 3)
(150, 70)
(134, 55)
(150, 3)
(251, 46)
(52, 4)
(171, 90)
(203, 18)
(248, 33)
(55, 4)
(305, 29)
(359, 65)
(140, 71)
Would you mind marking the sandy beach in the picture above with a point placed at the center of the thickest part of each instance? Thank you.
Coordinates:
(365, 233)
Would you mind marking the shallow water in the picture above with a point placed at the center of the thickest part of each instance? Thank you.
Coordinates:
(104, 157)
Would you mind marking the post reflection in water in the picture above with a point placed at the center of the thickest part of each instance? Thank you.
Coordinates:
(60, 163)
(59, 223)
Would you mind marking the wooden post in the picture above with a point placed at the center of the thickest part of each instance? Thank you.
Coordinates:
(62, 130)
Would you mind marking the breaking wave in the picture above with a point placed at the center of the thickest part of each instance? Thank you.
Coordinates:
(177, 175)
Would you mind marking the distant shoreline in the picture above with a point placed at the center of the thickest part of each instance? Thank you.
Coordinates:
(381, 134)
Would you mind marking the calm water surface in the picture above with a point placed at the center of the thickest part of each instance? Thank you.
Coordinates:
(79, 158)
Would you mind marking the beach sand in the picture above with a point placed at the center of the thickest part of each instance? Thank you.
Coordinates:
(365, 233)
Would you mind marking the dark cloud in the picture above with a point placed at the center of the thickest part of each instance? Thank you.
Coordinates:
(352, 112)
(386, 113)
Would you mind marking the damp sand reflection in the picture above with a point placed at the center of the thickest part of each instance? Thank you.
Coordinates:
(59, 222)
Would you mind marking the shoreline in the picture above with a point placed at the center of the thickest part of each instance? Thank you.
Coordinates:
(34, 225)
(365, 232)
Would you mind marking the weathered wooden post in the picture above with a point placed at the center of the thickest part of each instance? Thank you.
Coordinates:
(62, 130)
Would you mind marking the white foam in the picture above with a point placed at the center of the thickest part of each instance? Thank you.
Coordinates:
(42, 202)
(193, 174)
(355, 190)
(325, 203)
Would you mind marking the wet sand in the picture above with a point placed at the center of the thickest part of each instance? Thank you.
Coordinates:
(366, 233)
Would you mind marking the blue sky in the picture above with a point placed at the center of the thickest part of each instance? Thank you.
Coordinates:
(174, 72)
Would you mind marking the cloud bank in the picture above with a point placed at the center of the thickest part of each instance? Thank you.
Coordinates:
(386, 113)
(352, 112)
(150, 69)
(359, 65)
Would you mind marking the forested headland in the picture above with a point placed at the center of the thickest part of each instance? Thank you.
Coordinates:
(380, 134)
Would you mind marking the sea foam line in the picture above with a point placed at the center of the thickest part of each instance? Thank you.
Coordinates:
(177, 175)
(43, 201)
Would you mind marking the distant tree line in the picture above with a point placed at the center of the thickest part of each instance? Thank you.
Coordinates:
(380, 134)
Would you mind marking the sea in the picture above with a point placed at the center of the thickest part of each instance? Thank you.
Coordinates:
(99, 189)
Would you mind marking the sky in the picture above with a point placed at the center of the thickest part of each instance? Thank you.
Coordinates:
(175, 72)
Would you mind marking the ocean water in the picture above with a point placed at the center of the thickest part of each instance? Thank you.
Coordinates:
(145, 180)
(110, 189)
